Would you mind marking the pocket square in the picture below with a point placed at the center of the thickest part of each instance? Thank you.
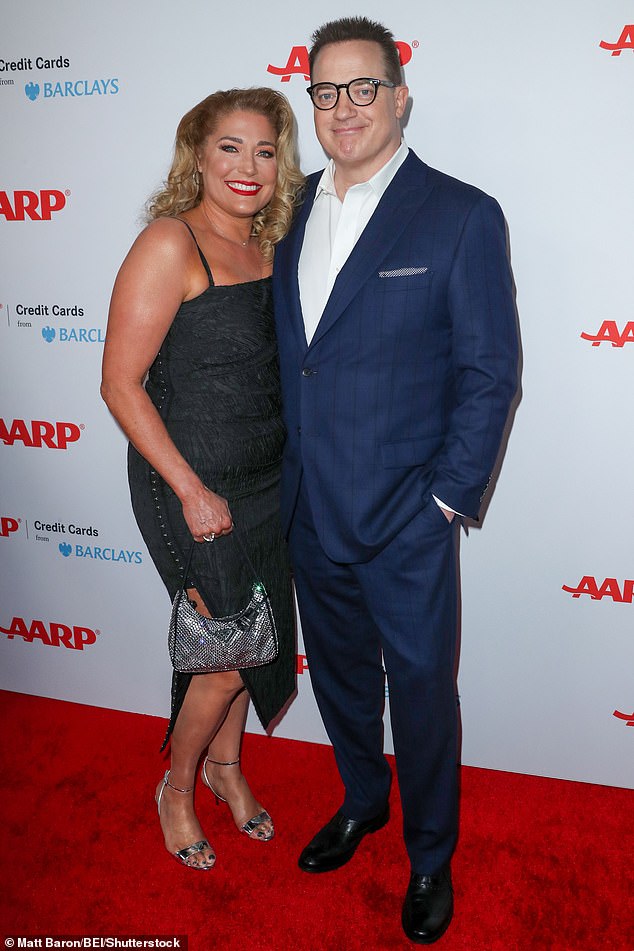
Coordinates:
(404, 272)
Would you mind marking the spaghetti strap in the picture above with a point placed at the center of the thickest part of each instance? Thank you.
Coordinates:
(201, 255)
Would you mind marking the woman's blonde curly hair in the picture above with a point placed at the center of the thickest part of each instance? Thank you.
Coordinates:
(184, 188)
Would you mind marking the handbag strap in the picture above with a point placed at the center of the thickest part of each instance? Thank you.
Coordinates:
(237, 537)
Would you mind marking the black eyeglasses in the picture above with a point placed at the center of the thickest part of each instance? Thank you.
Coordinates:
(362, 92)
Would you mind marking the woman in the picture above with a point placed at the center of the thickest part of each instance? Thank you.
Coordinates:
(191, 309)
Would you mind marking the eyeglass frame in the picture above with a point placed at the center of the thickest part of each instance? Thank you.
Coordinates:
(339, 86)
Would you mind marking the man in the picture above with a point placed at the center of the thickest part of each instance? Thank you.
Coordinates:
(397, 335)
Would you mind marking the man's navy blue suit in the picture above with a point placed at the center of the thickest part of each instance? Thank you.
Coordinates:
(402, 394)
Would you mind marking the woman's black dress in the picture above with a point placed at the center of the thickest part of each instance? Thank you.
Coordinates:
(215, 383)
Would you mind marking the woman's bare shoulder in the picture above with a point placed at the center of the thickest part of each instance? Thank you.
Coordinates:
(164, 244)
(165, 236)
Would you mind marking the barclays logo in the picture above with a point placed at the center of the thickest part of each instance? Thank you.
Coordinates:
(70, 89)
(97, 553)
(74, 334)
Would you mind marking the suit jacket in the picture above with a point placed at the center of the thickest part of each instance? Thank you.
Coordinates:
(405, 387)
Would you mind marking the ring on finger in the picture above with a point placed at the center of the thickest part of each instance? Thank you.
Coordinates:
(210, 537)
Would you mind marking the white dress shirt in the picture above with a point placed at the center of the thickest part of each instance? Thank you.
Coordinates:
(332, 230)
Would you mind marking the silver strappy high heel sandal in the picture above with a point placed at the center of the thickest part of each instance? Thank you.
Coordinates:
(253, 826)
(184, 854)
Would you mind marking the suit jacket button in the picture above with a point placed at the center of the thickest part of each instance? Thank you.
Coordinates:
(307, 371)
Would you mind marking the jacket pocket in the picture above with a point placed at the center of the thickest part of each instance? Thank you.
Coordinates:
(404, 278)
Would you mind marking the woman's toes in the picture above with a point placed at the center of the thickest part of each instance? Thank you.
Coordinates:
(206, 859)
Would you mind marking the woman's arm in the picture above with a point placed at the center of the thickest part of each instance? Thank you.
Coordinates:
(152, 283)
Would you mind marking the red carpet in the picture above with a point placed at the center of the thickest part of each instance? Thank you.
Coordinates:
(542, 865)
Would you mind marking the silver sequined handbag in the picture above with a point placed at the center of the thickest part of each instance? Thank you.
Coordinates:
(202, 645)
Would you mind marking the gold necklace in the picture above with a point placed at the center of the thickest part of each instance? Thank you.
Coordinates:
(215, 228)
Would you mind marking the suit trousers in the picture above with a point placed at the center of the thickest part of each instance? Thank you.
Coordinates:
(399, 607)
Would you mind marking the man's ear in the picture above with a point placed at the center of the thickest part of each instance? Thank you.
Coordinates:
(401, 94)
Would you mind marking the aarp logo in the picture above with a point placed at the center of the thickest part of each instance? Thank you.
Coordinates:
(297, 62)
(8, 526)
(38, 206)
(39, 433)
(609, 588)
(627, 717)
(51, 633)
(609, 333)
(624, 42)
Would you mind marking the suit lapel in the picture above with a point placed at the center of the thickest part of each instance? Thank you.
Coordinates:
(287, 262)
(401, 202)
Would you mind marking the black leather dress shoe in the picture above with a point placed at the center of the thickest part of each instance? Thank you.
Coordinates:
(428, 907)
(336, 843)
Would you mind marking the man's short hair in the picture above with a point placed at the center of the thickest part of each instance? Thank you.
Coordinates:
(359, 28)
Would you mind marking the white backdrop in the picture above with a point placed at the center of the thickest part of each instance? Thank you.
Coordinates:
(531, 102)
